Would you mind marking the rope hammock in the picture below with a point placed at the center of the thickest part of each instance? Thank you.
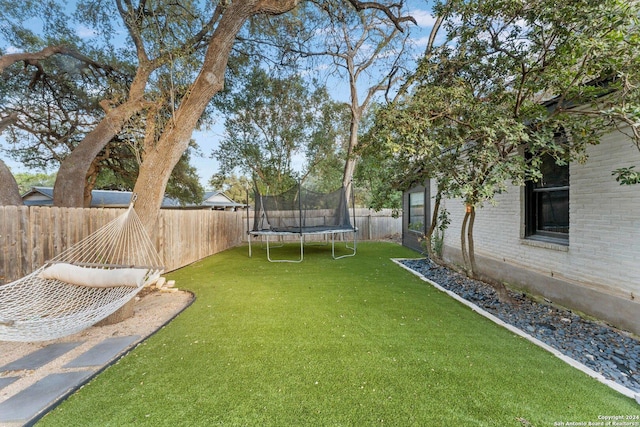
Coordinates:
(82, 285)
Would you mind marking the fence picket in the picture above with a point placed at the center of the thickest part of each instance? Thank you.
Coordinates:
(31, 235)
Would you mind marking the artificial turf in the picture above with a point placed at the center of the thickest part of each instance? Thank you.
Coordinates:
(351, 342)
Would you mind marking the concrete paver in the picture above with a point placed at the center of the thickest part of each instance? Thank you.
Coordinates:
(33, 400)
(40, 357)
(5, 381)
(102, 353)
(28, 405)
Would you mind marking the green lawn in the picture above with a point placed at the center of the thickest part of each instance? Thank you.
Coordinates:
(351, 342)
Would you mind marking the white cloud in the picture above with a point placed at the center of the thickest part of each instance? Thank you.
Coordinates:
(424, 18)
(85, 32)
(420, 34)
(420, 42)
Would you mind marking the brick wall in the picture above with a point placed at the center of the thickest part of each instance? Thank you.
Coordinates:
(604, 242)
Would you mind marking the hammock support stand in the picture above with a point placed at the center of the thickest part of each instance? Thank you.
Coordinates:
(290, 214)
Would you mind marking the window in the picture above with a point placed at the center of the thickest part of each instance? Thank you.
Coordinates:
(547, 203)
(416, 211)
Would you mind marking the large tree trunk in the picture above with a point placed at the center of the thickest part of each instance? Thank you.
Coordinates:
(463, 245)
(470, 242)
(69, 188)
(470, 259)
(9, 191)
(352, 160)
(159, 161)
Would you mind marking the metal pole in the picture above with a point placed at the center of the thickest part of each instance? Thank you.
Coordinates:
(300, 205)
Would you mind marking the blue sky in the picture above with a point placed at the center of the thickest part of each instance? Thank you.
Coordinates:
(208, 140)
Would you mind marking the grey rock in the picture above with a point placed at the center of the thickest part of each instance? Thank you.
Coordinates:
(588, 342)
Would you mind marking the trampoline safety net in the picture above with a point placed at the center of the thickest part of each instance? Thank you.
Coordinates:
(291, 211)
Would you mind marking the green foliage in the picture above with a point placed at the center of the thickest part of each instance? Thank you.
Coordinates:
(443, 220)
(476, 100)
(56, 100)
(184, 182)
(448, 134)
(272, 124)
(364, 50)
(376, 173)
(236, 187)
(61, 98)
(437, 239)
(373, 178)
(57, 97)
(122, 172)
(355, 342)
(327, 150)
(437, 242)
(34, 24)
(627, 176)
(27, 180)
(482, 99)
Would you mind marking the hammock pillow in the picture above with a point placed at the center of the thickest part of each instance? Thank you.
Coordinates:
(94, 277)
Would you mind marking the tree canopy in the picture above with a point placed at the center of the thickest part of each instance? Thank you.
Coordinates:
(71, 108)
(273, 123)
(179, 52)
(509, 74)
(367, 52)
(508, 79)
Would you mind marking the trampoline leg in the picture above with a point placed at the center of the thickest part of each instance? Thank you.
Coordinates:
(286, 260)
(354, 242)
(249, 245)
(333, 247)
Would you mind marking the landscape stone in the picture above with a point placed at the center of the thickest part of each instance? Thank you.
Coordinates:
(591, 343)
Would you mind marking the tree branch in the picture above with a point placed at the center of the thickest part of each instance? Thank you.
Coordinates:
(275, 7)
(397, 20)
(33, 57)
(8, 121)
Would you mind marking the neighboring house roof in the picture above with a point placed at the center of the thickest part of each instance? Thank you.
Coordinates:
(38, 196)
(219, 199)
(43, 196)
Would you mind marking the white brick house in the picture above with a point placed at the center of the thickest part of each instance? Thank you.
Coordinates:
(597, 269)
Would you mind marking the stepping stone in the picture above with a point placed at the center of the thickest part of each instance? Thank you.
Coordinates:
(36, 398)
(40, 357)
(102, 353)
(5, 381)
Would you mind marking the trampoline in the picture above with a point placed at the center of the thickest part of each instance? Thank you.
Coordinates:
(300, 213)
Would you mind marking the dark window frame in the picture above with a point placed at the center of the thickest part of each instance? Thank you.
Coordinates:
(535, 216)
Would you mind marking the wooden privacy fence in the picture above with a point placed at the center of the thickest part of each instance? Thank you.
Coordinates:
(30, 235)
(380, 225)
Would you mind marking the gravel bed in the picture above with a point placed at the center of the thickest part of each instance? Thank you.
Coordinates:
(613, 353)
